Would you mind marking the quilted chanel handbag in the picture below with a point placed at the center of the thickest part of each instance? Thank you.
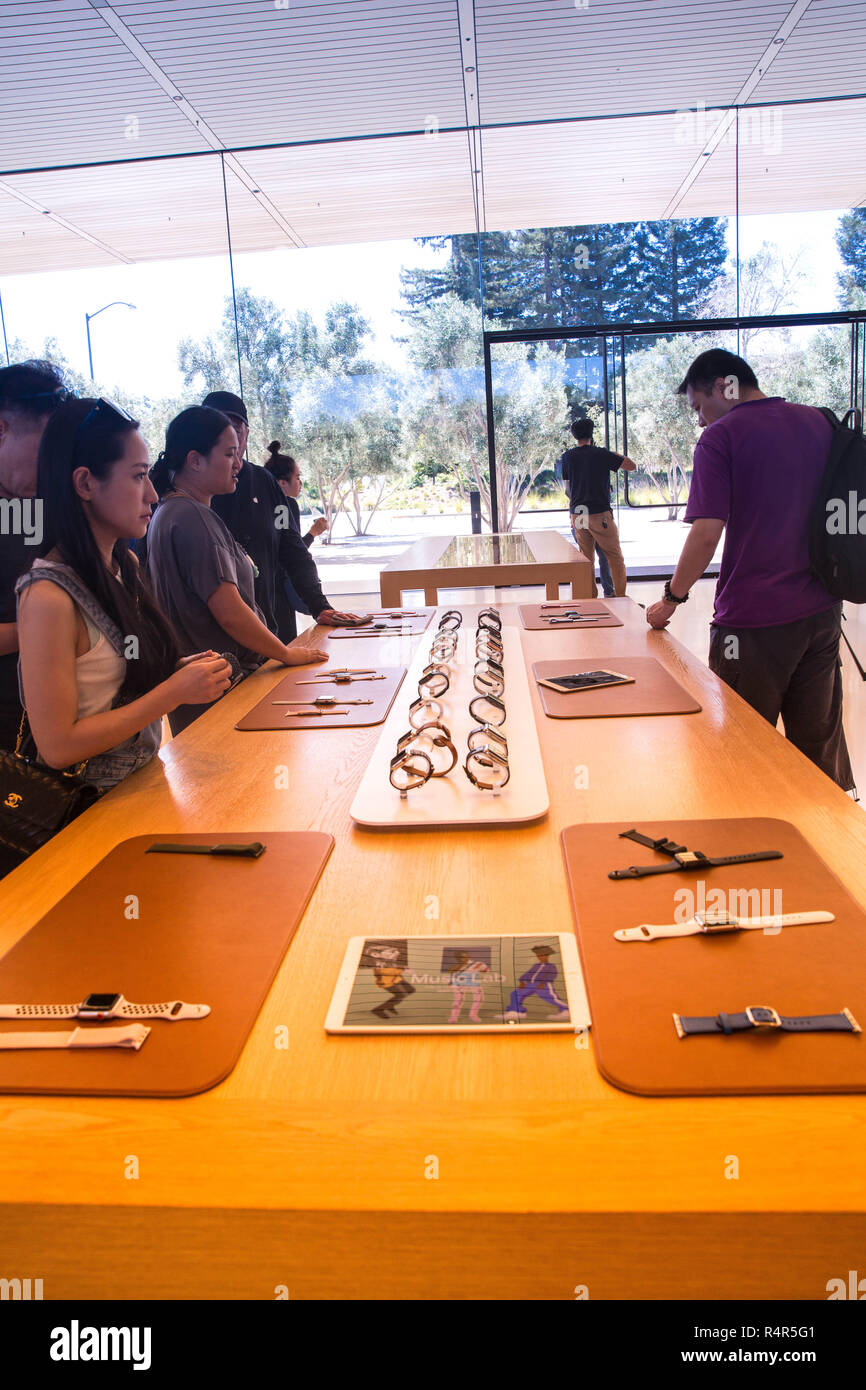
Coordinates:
(37, 801)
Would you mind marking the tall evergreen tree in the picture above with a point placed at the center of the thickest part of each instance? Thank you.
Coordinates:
(851, 241)
(566, 276)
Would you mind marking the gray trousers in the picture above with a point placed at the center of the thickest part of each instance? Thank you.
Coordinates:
(792, 670)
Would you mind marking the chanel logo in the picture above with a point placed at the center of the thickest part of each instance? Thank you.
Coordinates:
(13, 801)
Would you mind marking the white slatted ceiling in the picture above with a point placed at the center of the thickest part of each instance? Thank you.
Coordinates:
(540, 58)
(67, 86)
(252, 73)
(825, 56)
(346, 67)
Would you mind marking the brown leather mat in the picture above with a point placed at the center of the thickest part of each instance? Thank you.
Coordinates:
(653, 691)
(635, 987)
(268, 715)
(534, 615)
(389, 617)
(210, 931)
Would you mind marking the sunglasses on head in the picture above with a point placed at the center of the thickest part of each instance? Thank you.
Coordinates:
(105, 410)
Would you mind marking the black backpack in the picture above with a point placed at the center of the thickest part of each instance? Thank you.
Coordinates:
(837, 528)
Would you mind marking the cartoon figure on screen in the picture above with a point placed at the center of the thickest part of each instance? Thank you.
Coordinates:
(389, 976)
(465, 979)
(538, 979)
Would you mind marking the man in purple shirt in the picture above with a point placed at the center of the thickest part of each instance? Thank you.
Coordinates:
(775, 631)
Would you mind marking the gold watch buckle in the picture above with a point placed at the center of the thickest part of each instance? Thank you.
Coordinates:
(774, 1022)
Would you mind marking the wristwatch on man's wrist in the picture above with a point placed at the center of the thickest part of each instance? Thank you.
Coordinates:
(671, 597)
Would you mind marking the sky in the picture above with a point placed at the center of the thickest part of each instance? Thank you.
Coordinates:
(136, 349)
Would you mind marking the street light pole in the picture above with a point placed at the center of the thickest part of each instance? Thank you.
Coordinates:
(88, 317)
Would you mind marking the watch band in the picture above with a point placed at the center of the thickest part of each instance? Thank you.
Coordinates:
(408, 769)
(762, 1017)
(487, 769)
(717, 923)
(496, 710)
(437, 736)
(173, 1012)
(132, 1037)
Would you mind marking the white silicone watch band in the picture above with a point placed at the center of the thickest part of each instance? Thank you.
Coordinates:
(130, 1037)
(172, 1012)
(649, 931)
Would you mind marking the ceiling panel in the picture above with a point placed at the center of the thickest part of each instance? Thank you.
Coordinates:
(544, 58)
(320, 81)
(824, 57)
(71, 91)
(257, 73)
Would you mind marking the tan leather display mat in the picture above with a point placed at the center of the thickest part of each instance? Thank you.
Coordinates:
(532, 615)
(268, 715)
(635, 987)
(653, 691)
(210, 931)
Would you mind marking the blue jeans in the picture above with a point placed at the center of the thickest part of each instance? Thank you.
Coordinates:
(605, 574)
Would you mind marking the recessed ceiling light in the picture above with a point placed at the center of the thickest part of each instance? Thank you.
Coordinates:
(468, 69)
(778, 40)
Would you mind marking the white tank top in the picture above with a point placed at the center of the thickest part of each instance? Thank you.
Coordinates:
(99, 672)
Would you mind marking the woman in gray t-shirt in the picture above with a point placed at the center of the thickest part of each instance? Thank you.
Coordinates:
(202, 578)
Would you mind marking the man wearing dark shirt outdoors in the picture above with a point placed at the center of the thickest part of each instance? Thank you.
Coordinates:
(775, 631)
(252, 513)
(586, 472)
(29, 393)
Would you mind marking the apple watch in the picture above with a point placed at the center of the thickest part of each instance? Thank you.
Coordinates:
(765, 1019)
(96, 1007)
(487, 679)
(488, 709)
(433, 682)
(422, 710)
(409, 768)
(438, 737)
(717, 923)
(487, 769)
(486, 736)
(450, 621)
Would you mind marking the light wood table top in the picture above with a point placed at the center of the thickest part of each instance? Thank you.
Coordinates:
(349, 1125)
(453, 562)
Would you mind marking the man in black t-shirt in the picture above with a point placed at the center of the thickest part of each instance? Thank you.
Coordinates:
(586, 472)
(252, 513)
(29, 393)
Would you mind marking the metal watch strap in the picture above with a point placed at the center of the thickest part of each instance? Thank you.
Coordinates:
(133, 1036)
(760, 1017)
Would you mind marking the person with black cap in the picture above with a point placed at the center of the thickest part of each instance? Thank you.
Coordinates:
(252, 513)
(30, 392)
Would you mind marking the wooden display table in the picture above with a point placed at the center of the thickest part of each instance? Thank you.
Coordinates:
(457, 1167)
(459, 562)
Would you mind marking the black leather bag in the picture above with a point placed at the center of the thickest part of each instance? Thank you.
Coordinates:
(37, 801)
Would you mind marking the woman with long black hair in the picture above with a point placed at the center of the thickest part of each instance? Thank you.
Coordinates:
(99, 661)
(202, 577)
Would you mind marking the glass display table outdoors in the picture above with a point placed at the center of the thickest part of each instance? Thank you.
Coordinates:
(456, 562)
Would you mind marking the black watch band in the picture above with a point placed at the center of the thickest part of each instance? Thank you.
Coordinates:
(671, 597)
(762, 1018)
